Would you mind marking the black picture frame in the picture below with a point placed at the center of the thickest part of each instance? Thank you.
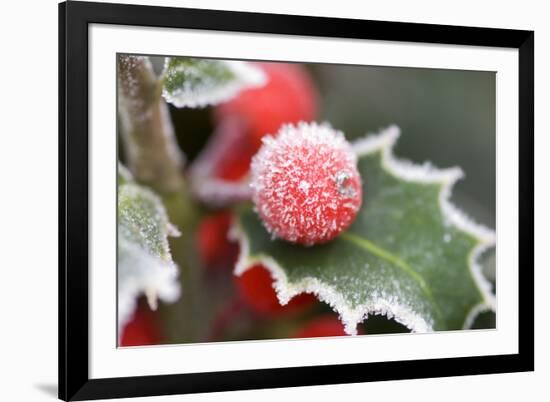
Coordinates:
(74, 19)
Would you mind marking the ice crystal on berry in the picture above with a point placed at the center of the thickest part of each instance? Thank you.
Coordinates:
(305, 183)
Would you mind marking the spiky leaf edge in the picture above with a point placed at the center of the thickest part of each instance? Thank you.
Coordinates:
(384, 142)
(160, 279)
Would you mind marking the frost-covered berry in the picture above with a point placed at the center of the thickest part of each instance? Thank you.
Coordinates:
(305, 183)
(255, 286)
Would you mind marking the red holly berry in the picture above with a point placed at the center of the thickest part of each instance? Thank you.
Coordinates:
(255, 287)
(288, 97)
(321, 326)
(142, 329)
(305, 183)
(212, 240)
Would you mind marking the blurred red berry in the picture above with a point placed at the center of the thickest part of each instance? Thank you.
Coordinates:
(142, 329)
(328, 325)
(255, 287)
(235, 166)
(213, 244)
(288, 97)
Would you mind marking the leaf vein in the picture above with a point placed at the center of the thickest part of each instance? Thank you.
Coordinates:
(384, 254)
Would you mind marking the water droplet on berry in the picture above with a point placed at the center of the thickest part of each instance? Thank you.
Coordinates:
(342, 179)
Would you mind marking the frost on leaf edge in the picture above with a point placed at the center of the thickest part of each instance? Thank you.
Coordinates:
(246, 76)
(351, 317)
(157, 277)
(427, 173)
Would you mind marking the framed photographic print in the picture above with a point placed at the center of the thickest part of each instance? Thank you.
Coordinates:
(257, 200)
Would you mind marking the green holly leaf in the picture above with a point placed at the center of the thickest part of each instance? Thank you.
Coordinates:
(410, 255)
(191, 82)
(145, 263)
